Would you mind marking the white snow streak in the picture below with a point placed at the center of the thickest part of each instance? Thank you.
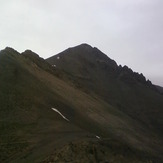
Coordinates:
(60, 114)
(98, 137)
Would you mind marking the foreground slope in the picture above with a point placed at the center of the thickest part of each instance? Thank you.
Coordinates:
(31, 131)
(28, 124)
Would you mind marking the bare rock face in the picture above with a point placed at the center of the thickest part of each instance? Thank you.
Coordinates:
(37, 60)
(89, 62)
(127, 74)
(30, 53)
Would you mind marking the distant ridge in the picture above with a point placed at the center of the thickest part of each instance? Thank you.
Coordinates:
(94, 56)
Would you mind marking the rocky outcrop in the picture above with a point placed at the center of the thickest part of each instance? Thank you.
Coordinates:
(97, 152)
(83, 60)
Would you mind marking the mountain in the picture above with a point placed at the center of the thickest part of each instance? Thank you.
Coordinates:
(77, 106)
(160, 89)
(95, 73)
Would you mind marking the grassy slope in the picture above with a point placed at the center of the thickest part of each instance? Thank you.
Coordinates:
(30, 130)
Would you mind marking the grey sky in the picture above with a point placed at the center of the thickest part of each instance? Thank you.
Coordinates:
(128, 31)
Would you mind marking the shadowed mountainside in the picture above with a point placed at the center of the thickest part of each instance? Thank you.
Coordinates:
(160, 89)
(98, 99)
(95, 73)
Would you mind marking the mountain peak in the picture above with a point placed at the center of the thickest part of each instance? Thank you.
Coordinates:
(82, 60)
(85, 45)
(10, 50)
(88, 52)
(81, 47)
(30, 53)
(82, 56)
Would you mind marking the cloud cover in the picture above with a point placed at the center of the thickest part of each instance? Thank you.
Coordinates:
(128, 31)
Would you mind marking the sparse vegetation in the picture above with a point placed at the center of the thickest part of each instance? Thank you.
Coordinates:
(91, 93)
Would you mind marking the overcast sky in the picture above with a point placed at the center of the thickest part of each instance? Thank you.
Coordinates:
(128, 31)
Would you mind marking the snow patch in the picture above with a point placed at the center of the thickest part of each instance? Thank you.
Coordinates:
(54, 65)
(98, 137)
(58, 57)
(60, 114)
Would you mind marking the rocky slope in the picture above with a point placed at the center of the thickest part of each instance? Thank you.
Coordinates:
(97, 97)
(95, 73)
